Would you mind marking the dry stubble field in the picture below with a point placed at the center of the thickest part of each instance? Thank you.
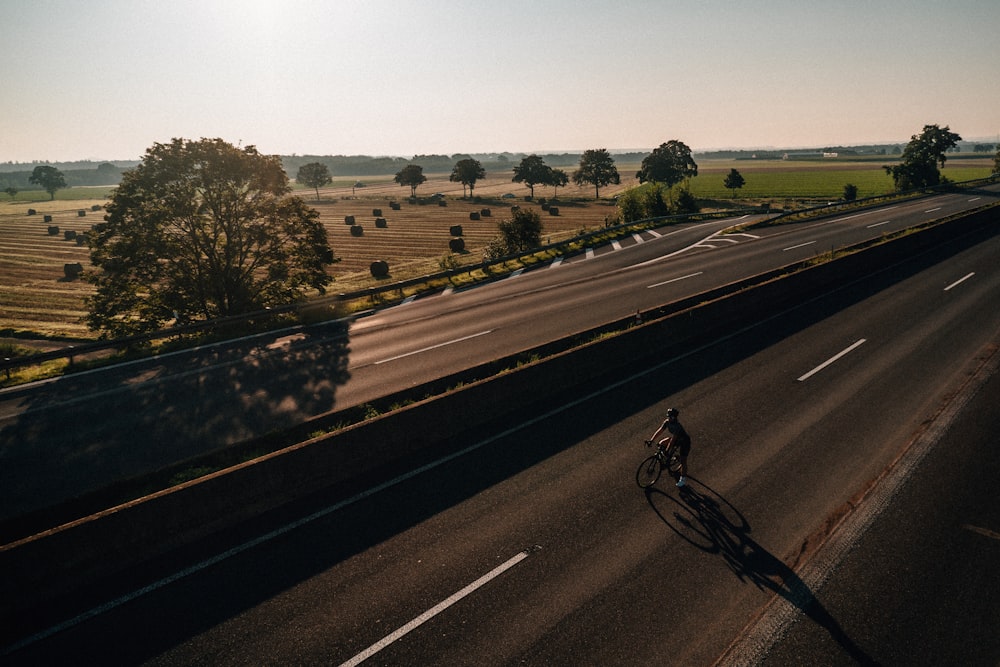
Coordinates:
(36, 298)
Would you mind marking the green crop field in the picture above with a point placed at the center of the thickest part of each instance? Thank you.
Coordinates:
(36, 299)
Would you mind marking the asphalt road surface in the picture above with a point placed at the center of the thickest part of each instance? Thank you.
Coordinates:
(921, 586)
(536, 547)
(61, 438)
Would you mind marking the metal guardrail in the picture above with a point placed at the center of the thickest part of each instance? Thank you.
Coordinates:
(842, 206)
(559, 246)
(374, 293)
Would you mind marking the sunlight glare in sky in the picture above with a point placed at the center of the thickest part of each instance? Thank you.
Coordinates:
(107, 79)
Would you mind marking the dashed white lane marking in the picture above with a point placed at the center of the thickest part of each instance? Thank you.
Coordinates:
(755, 641)
(832, 359)
(959, 281)
(435, 610)
(879, 224)
(801, 245)
(674, 280)
(434, 347)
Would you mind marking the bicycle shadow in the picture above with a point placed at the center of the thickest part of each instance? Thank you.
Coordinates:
(706, 520)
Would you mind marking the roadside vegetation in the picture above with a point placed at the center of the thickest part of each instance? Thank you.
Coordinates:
(41, 299)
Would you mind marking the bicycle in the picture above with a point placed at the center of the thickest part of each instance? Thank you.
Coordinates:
(666, 457)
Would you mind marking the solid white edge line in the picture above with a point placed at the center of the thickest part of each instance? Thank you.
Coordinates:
(434, 611)
(434, 347)
(755, 641)
(959, 281)
(831, 360)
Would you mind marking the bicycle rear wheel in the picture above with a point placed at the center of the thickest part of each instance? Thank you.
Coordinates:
(648, 472)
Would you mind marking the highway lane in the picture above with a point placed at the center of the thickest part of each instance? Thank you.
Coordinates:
(920, 587)
(537, 547)
(64, 437)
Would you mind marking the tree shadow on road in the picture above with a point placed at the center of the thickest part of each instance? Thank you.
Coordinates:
(87, 431)
(706, 520)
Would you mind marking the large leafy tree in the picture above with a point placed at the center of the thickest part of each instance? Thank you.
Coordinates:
(200, 230)
(918, 167)
(314, 175)
(49, 178)
(669, 164)
(467, 171)
(532, 171)
(597, 168)
(411, 175)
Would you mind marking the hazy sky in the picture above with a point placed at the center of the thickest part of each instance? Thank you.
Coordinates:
(105, 79)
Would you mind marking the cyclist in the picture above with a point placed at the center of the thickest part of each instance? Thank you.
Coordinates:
(677, 434)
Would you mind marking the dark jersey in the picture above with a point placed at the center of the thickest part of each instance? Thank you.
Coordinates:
(679, 435)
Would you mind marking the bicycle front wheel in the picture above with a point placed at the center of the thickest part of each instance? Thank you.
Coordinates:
(648, 472)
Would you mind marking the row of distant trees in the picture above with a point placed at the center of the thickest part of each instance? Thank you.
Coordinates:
(165, 251)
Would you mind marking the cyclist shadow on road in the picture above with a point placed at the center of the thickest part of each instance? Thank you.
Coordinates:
(706, 520)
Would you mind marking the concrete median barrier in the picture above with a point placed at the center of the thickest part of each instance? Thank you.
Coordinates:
(47, 564)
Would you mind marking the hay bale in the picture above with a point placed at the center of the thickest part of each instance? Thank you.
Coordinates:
(47, 219)
(81, 239)
(381, 223)
(474, 215)
(357, 230)
(82, 213)
(455, 230)
(348, 219)
(377, 212)
(456, 245)
(379, 269)
(69, 235)
(553, 210)
(395, 205)
(32, 211)
(72, 271)
(95, 207)
(53, 230)
(486, 212)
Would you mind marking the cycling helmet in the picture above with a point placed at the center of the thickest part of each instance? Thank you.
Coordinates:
(673, 412)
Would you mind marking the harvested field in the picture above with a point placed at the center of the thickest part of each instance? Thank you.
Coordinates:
(36, 298)
(34, 292)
